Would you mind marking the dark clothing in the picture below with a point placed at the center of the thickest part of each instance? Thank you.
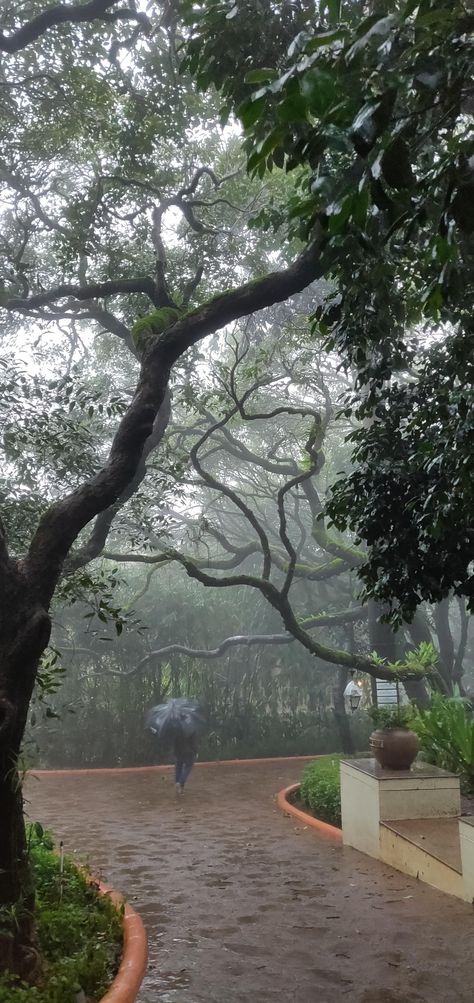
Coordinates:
(182, 772)
(185, 748)
(185, 751)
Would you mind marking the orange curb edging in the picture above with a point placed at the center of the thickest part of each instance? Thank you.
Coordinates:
(323, 828)
(165, 767)
(127, 982)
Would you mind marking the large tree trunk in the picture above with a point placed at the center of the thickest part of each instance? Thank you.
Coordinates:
(24, 634)
(382, 639)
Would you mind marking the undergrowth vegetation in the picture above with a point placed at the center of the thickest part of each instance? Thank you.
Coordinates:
(446, 734)
(79, 933)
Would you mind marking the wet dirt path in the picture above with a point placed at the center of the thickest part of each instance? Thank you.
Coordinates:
(243, 905)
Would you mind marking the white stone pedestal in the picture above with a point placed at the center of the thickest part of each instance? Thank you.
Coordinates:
(371, 795)
(466, 839)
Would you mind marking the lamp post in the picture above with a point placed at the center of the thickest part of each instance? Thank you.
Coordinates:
(352, 695)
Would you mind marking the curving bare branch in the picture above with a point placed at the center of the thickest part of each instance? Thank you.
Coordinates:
(228, 492)
(95, 290)
(64, 520)
(64, 14)
(161, 654)
(281, 604)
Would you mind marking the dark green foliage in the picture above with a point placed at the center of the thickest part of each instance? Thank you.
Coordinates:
(391, 717)
(106, 729)
(320, 789)
(79, 933)
(411, 495)
(49, 432)
(375, 114)
(446, 734)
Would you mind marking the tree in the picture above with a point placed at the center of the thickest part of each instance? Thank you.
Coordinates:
(371, 105)
(102, 150)
(64, 258)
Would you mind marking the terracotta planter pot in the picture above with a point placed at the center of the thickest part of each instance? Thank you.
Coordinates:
(394, 748)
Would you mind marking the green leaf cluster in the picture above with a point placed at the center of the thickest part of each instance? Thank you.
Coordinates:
(373, 113)
(79, 932)
(320, 789)
(446, 734)
(391, 717)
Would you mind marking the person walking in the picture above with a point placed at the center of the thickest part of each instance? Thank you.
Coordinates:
(177, 724)
(185, 753)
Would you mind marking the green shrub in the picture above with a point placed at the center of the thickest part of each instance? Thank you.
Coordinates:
(446, 734)
(320, 789)
(391, 717)
(79, 933)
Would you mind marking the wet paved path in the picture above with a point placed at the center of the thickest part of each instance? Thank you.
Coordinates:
(243, 905)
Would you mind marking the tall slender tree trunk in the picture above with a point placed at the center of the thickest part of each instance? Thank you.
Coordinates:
(381, 639)
(24, 634)
(445, 642)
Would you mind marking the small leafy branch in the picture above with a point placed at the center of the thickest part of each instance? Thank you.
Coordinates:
(391, 717)
(421, 661)
(97, 591)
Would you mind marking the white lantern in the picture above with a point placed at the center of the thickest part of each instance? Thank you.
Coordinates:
(352, 696)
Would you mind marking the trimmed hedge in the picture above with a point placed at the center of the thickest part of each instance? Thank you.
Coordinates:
(320, 789)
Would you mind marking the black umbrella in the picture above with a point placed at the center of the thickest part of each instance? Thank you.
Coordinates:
(179, 716)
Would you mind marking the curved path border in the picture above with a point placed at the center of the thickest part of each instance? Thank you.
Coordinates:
(323, 828)
(166, 767)
(127, 982)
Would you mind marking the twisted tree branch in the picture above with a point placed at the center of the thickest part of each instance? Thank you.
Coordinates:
(95, 290)
(64, 520)
(63, 14)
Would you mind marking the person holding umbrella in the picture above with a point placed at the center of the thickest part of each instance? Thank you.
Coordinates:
(178, 723)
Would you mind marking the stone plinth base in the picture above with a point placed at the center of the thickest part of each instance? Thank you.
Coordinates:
(371, 795)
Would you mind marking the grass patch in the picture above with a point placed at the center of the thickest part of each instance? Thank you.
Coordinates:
(320, 789)
(79, 933)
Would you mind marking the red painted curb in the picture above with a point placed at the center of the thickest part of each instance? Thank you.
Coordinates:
(165, 769)
(324, 829)
(127, 982)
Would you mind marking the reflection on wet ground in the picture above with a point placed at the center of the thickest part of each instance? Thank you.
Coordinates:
(243, 905)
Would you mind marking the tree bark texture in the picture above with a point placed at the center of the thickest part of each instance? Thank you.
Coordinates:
(24, 634)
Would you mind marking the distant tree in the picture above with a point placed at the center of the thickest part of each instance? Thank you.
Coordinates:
(92, 160)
